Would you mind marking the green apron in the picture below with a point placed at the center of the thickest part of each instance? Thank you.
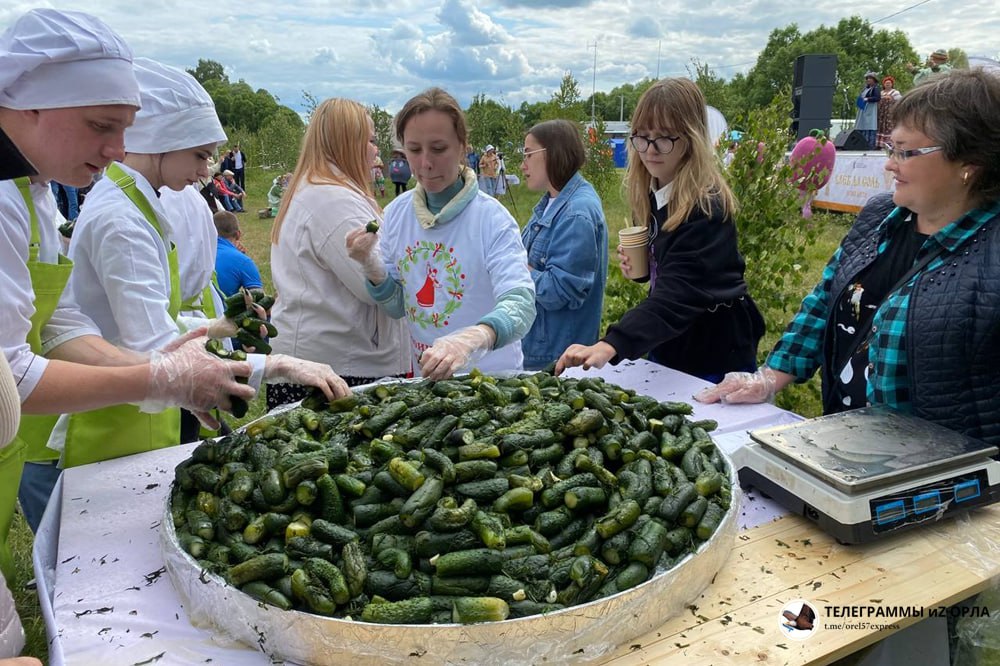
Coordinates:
(47, 282)
(122, 430)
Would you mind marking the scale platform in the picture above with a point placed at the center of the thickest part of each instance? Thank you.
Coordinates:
(869, 472)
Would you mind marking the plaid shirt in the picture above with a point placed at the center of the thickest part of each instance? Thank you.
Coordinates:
(801, 351)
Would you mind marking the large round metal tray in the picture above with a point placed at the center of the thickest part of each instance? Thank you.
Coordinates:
(574, 635)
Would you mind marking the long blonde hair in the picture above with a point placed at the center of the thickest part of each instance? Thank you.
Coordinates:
(678, 105)
(334, 152)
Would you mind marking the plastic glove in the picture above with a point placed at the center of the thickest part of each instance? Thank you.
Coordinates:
(363, 247)
(221, 328)
(456, 351)
(589, 356)
(742, 387)
(281, 368)
(183, 374)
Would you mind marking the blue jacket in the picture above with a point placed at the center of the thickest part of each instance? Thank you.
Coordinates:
(568, 253)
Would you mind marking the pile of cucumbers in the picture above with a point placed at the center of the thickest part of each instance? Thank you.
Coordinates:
(466, 500)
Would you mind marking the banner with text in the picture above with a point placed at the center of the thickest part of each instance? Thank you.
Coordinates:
(856, 178)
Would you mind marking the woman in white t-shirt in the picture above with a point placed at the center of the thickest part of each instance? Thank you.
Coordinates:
(449, 257)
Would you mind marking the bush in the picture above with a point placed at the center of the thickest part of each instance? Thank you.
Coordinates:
(600, 166)
(773, 234)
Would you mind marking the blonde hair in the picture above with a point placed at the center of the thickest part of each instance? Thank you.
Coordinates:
(334, 152)
(678, 105)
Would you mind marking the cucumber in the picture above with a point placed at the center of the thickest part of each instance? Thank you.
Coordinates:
(331, 575)
(428, 544)
(264, 593)
(489, 529)
(448, 519)
(476, 561)
(484, 492)
(620, 518)
(422, 502)
(586, 421)
(409, 611)
(710, 521)
(648, 544)
(469, 610)
(474, 470)
(515, 499)
(355, 568)
(678, 499)
(459, 586)
(262, 567)
(692, 514)
(332, 533)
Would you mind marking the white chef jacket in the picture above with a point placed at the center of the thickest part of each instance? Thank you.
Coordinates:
(121, 276)
(197, 242)
(15, 282)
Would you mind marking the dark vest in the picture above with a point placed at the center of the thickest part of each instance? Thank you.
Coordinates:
(953, 325)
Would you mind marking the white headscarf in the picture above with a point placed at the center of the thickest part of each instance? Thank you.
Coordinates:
(177, 112)
(53, 59)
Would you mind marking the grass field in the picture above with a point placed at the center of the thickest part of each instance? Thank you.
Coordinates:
(256, 237)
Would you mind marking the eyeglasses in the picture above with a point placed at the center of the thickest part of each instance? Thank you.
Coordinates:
(663, 144)
(902, 155)
(528, 153)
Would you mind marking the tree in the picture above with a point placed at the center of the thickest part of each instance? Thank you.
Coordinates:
(858, 46)
(209, 70)
(717, 92)
(384, 131)
(491, 122)
(566, 102)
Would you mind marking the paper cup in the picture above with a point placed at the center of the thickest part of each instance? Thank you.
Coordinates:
(633, 235)
(638, 257)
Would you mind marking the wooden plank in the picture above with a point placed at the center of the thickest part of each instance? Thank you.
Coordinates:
(736, 620)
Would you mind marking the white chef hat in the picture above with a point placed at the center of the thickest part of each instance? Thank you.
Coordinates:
(177, 112)
(53, 59)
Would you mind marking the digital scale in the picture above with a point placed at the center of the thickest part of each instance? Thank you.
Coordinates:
(868, 472)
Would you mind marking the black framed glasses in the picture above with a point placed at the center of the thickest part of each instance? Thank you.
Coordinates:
(663, 144)
(902, 155)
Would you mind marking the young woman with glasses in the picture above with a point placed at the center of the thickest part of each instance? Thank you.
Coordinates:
(906, 312)
(698, 317)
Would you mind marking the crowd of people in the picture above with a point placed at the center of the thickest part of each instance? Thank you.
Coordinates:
(104, 346)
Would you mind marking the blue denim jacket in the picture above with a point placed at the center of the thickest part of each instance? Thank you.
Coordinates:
(568, 253)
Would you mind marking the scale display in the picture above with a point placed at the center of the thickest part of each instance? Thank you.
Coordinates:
(869, 448)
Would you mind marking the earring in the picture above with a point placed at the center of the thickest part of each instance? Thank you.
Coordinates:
(965, 178)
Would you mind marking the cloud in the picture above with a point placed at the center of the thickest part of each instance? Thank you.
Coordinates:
(469, 26)
(324, 56)
(466, 47)
(544, 4)
(514, 50)
(261, 46)
(642, 26)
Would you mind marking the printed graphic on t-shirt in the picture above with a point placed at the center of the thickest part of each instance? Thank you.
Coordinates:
(433, 283)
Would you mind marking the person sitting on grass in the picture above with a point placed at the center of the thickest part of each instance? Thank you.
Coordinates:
(225, 195)
(239, 194)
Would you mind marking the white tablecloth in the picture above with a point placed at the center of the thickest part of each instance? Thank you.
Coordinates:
(105, 595)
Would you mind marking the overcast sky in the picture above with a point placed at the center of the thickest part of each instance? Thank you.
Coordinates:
(515, 50)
